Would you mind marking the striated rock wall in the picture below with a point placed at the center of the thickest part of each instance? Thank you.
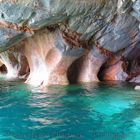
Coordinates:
(70, 41)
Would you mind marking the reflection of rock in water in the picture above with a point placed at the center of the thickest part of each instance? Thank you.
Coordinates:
(64, 41)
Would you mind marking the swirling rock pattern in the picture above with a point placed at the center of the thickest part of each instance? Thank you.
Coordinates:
(70, 41)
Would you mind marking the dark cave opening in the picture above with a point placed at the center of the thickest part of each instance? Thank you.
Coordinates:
(74, 70)
(3, 69)
(101, 72)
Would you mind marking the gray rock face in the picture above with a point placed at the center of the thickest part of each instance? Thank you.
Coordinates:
(103, 29)
(87, 17)
(136, 9)
(10, 37)
(15, 13)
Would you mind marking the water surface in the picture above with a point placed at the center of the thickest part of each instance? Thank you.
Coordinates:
(96, 111)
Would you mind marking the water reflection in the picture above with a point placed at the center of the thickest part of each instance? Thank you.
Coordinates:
(86, 111)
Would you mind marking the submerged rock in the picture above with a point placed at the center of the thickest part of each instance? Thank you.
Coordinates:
(70, 41)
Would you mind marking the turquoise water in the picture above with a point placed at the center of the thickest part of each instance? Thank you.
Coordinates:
(77, 112)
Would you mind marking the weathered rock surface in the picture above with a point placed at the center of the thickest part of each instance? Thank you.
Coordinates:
(68, 41)
(137, 88)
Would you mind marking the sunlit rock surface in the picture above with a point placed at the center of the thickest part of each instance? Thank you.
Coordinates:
(137, 87)
(15, 62)
(70, 41)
